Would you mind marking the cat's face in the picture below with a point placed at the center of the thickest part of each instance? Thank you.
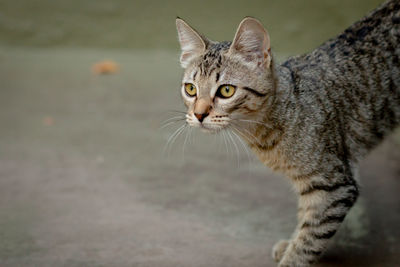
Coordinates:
(225, 84)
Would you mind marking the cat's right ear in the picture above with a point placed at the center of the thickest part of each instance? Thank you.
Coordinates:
(252, 43)
(192, 44)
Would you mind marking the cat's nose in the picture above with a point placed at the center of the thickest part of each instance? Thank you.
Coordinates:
(202, 108)
(201, 116)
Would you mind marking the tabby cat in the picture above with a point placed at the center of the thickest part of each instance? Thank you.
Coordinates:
(313, 117)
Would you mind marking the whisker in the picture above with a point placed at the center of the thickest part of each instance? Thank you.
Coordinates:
(171, 122)
(176, 136)
(177, 131)
(184, 142)
(173, 118)
(245, 147)
(226, 144)
(193, 135)
(230, 145)
(236, 147)
(243, 144)
(173, 134)
(220, 142)
(255, 139)
(248, 138)
(176, 111)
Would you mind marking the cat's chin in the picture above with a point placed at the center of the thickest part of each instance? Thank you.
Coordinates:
(208, 130)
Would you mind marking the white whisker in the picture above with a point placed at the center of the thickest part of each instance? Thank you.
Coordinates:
(255, 139)
(177, 111)
(188, 132)
(173, 118)
(176, 136)
(171, 122)
(243, 144)
(230, 145)
(226, 144)
(236, 147)
(172, 137)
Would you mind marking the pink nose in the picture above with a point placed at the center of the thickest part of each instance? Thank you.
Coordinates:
(201, 117)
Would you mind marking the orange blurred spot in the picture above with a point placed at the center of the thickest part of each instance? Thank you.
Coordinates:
(48, 121)
(105, 67)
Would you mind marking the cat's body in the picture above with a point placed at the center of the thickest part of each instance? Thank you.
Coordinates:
(312, 118)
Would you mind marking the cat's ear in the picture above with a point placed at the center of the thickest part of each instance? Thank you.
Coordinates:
(192, 43)
(252, 43)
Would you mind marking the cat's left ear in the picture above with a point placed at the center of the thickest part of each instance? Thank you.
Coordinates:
(192, 43)
(252, 43)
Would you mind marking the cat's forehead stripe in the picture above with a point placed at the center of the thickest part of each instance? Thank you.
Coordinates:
(212, 59)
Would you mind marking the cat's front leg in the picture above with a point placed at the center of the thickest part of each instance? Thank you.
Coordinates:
(280, 247)
(324, 202)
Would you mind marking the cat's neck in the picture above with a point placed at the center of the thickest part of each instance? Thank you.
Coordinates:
(267, 127)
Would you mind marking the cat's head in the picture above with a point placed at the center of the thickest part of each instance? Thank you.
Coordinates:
(225, 83)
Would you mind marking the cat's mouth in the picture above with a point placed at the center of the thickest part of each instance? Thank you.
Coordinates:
(206, 126)
(210, 129)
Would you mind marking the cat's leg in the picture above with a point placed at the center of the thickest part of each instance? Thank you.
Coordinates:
(324, 201)
(280, 247)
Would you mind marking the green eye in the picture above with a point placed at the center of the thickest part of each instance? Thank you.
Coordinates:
(190, 89)
(226, 91)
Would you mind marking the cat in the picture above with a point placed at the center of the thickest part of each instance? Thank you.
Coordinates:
(312, 118)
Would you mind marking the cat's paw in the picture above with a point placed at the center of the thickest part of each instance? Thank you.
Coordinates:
(279, 249)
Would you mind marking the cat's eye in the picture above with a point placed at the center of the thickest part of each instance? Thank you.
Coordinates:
(190, 89)
(226, 91)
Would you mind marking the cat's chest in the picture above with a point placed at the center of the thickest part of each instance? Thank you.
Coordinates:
(268, 146)
(276, 160)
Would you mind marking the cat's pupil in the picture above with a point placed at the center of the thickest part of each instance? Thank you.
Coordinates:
(227, 89)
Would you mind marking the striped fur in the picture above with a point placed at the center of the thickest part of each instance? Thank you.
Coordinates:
(313, 117)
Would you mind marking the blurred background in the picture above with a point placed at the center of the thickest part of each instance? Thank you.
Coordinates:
(86, 177)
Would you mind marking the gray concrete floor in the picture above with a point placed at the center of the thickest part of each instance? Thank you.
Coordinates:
(84, 180)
